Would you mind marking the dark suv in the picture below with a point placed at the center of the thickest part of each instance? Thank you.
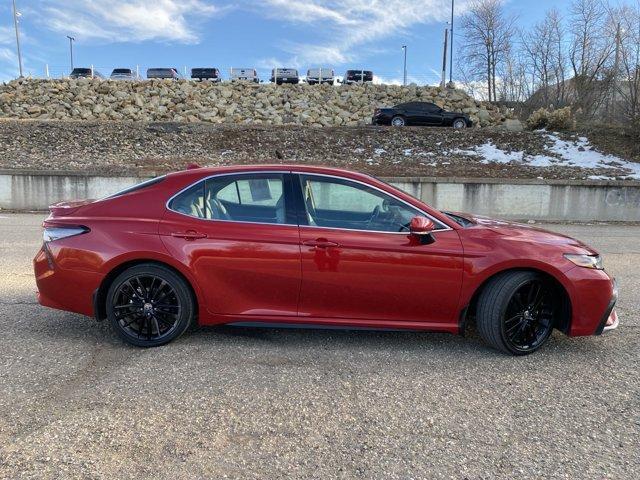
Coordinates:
(420, 113)
(212, 74)
(357, 76)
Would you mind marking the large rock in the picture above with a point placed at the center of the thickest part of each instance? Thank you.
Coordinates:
(242, 103)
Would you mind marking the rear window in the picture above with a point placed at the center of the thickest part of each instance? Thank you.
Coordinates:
(210, 72)
(160, 71)
(82, 71)
(122, 70)
(138, 186)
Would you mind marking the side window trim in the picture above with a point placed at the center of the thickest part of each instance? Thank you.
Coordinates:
(288, 190)
(302, 208)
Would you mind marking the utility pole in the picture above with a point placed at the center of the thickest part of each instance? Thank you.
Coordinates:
(15, 24)
(404, 47)
(451, 46)
(444, 59)
(71, 40)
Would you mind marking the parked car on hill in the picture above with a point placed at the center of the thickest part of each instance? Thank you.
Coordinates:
(420, 113)
(320, 75)
(284, 75)
(163, 73)
(211, 74)
(357, 76)
(123, 74)
(244, 74)
(83, 72)
(312, 246)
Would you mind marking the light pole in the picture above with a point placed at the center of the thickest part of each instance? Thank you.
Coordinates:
(404, 82)
(71, 40)
(451, 46)
(15, 24)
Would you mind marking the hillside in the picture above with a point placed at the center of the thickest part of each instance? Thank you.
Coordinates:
(117, 148)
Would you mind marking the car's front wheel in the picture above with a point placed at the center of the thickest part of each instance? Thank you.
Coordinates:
(459, 123)
(398, 121)
(516, 312)
(150, 305)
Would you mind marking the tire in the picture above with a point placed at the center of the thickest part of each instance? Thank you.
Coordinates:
(135, 311)
(398, 121)
(459, 123)
(510, 319)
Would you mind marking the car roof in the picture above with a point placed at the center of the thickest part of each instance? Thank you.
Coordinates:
(208, 171)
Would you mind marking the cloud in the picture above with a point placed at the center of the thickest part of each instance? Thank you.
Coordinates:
(128, 20)
(353, 23)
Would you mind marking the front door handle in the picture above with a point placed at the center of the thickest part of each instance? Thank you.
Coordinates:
(189, 235)
(320, 243)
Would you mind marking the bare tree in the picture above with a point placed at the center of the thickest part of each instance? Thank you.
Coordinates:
(545, 58)
(627, 66)
(487, 33)
(590, 52)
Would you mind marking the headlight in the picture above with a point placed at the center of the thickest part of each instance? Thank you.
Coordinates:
(56, 233)
(586, 261)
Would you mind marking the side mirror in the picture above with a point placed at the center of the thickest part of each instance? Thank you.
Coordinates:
(421, 226)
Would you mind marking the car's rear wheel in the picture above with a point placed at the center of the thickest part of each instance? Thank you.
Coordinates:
(398, 121)
(459, 123)
(150, 305)
(516, 312)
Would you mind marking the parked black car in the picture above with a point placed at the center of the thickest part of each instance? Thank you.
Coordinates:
(212, 74)
(420, 113)
(85, 73)
(357, 76)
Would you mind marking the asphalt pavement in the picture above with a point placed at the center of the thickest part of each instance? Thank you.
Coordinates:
(75, 402)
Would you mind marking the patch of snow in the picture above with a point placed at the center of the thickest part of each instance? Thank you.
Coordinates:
(226, 152)
(577, 152)
(359, 150)
(379, 151)
(408, 152)
(490, 153)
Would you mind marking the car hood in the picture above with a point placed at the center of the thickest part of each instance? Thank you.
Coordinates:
(527, 233)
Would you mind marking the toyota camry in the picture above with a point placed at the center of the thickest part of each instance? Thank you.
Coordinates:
(293, 245)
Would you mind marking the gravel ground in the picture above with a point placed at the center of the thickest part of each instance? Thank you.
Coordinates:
(278, 403)
(138, 148)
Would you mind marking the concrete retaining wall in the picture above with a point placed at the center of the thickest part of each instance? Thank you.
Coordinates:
(511, 199)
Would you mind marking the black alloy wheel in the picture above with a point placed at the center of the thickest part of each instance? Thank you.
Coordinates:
(517, 312)
(149, 305)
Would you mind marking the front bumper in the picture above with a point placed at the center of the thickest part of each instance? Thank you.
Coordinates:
(610, 319)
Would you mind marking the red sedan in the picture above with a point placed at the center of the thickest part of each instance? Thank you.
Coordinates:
(309, 245)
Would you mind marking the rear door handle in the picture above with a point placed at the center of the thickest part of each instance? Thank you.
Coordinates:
(320, 243)
(189, 235)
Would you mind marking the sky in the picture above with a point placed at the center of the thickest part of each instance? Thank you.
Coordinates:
(340, 34)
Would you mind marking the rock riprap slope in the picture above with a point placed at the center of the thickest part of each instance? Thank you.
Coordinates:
(236, 103)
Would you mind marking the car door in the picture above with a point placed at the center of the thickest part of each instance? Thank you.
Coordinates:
(412, 113)
(239, 236)
(359, 261)
(432, 114)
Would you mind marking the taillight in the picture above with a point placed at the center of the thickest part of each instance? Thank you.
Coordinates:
(377, 112)
(51, 234)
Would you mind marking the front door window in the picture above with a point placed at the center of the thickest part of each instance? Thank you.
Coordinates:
(338, 203)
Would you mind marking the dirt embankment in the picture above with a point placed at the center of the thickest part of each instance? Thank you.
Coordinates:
(135, 148)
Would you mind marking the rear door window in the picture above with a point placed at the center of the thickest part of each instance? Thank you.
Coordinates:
(255, 198)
